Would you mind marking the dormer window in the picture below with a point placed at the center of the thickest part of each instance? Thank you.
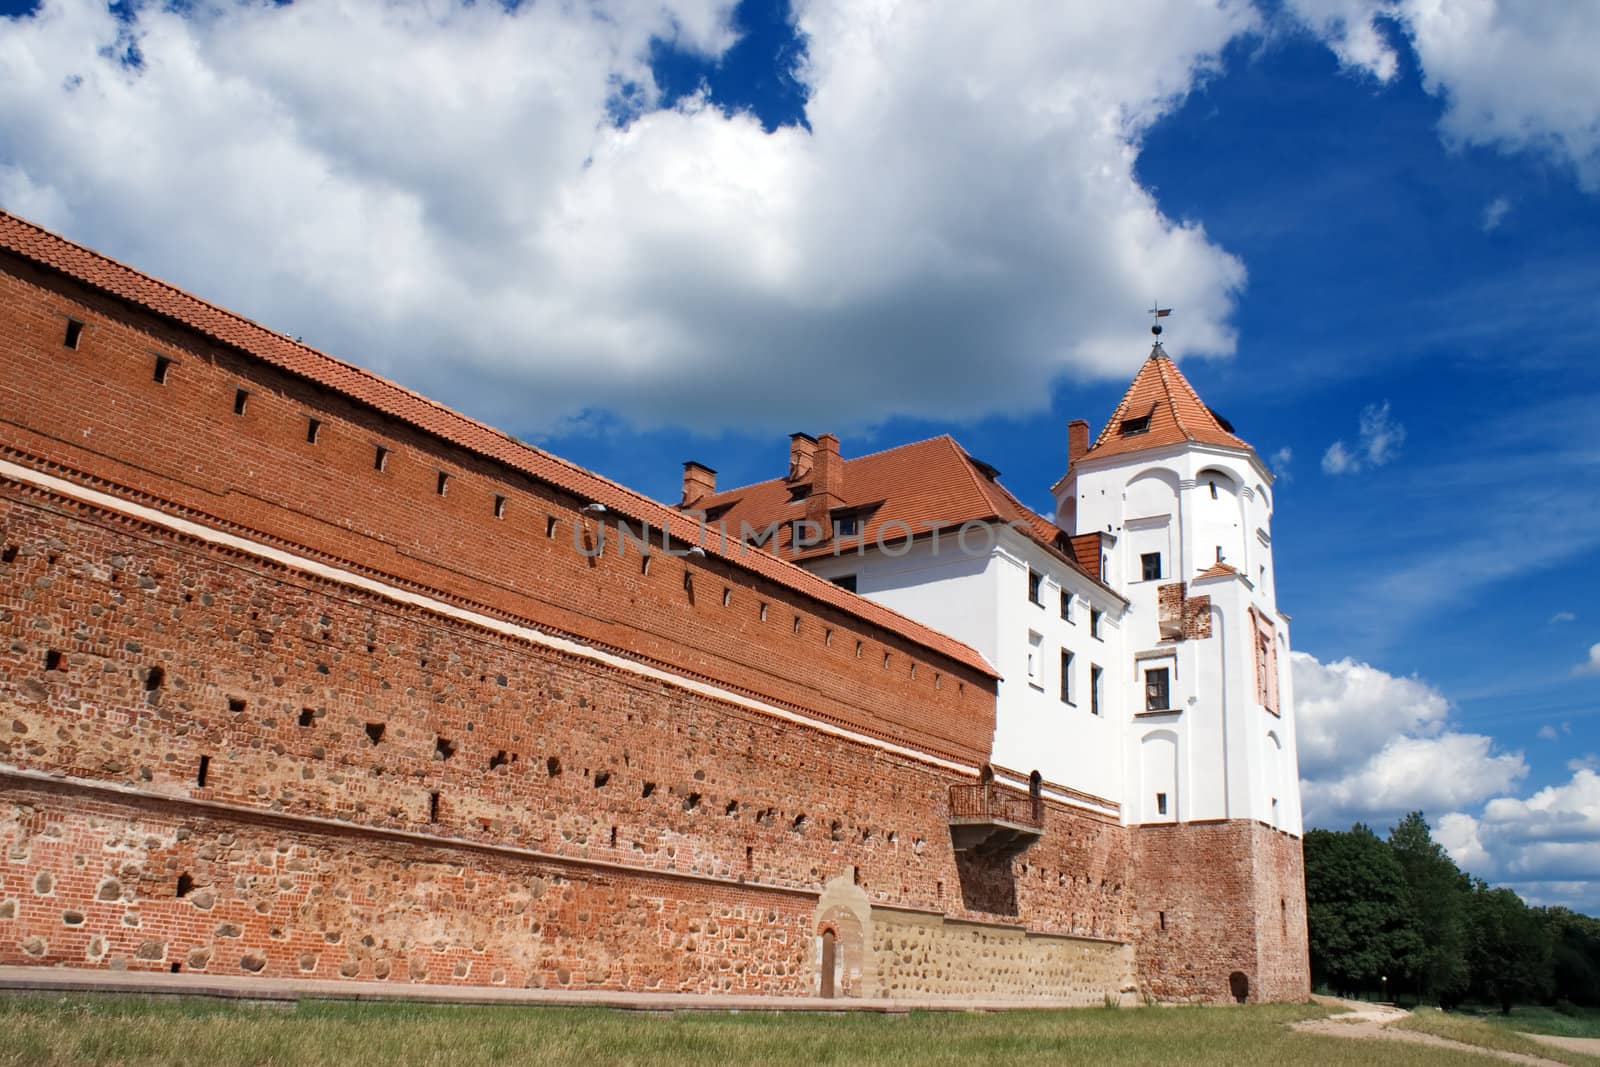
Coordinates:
(798, 493)
(847, 525)
(1137, 424)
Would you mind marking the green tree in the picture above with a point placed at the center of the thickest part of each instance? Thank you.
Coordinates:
(1575, 955)
(1437, 899)
(1510, 952)
(1357, 910)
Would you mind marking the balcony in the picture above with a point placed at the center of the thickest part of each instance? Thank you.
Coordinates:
(989, 819)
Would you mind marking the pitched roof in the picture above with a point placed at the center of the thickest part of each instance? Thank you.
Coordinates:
(931, 484)
(1218, 570)
(84, 265)
(1161, 408)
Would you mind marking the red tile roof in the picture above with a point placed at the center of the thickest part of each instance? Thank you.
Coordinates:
(1217, 570)
(150, 294)
(1175, 412)
(923, 485)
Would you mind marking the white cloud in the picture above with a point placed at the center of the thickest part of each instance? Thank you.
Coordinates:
(1280, 463)
(1547, 732)
(1516, 76)
(1379, 440)
(1551, 836)
(1563, 616)
(438, 190)
(1590, 665)
(1373, 746)
(1494, 213)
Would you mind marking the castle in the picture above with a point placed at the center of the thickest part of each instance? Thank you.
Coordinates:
(307, 675)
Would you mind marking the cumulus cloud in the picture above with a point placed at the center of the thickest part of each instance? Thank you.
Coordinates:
(1519, 77)
(444, 191)
(1590, 665)
(1373, 746)
(1379, 440)
(1494, 213)
(1551, 836)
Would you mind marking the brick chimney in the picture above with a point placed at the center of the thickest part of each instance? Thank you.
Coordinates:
(699, 481)
(802, 449)
(1077, 440)
(827, 483)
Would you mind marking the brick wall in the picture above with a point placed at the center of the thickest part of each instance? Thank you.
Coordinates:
(132, 653)
(97, 414)
(1216, 900)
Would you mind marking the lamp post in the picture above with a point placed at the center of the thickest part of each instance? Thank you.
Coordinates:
(1385, 981)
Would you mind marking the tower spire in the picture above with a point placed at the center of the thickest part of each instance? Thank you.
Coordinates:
(1157, 312)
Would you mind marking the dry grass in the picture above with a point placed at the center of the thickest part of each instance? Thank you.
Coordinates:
(116, 1030)
(1476, 1032)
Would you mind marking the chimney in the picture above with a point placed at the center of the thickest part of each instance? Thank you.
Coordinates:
(827, 483)
(699, 481)
(1077, 440)
(802, 449)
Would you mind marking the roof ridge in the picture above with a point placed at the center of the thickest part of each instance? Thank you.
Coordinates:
(279, 350)
(842, 459)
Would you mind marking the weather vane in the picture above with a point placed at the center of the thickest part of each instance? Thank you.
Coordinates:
(1160, 313)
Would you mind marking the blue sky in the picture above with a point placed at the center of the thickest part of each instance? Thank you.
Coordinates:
(1372, 235)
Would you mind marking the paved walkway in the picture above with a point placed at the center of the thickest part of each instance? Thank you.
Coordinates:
(83, 980)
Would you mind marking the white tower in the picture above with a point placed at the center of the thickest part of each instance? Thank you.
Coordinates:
(1184, 510)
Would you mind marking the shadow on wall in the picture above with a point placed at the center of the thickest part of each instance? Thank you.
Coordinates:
(988, 884)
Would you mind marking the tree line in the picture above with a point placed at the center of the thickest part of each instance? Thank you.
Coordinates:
(1400, 909)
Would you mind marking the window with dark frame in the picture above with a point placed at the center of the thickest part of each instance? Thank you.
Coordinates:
(74, 333)
(1150, 566)
(1157, 692)
(1161, 803)
(846, 581)
(1066, 677)
(847, 525)
(1094, 622)
(1066, 605)
(1035, 583)
(1095, 676)
(313, 430)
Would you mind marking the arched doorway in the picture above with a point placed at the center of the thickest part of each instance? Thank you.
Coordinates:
(1239, 986)
(830, 964)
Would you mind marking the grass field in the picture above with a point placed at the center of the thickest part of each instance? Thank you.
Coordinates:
(1473, 1030)
(111, 1030)
(1577, 1022)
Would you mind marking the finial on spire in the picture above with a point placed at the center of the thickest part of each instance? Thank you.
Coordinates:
(1160, 313)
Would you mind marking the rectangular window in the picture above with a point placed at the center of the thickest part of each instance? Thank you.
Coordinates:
(163, 365)
(1150, 566)
(442, 486)
(313, 430)
(241, 401)
(846, 581)
(1156, 689)
(1066, 605)
(1095, 677)
(1034, 641)
(74, 333)
(1066, 677)
(1094, 622)
(499, 507)
(1035, 581)
(847, 525)
(1161, 803)
(380, 458)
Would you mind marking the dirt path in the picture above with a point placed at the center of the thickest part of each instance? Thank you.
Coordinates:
(1588, 1045)
(1373, 1022)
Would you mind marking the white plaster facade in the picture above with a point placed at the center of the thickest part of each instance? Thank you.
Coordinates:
(1224, 746)
(1221, 751)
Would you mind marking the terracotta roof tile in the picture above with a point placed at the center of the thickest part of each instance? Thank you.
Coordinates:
(923, 485)
(1175, 413)
(91, 268)
(1217, 570)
